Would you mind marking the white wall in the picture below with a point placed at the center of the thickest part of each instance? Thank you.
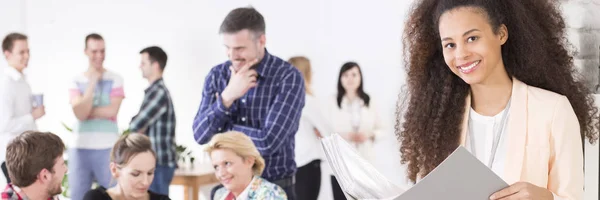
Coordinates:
(592, 166)
(583, 31)
(12, 19)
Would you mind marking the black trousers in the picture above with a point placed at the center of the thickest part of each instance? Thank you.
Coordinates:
(5, 171)
(338, 193)
(308, 181)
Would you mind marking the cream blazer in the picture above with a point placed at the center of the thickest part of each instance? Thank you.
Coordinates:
(544, 142)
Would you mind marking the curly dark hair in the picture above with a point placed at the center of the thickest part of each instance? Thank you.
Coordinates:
(536, 53)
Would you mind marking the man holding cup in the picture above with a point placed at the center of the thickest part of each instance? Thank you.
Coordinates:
(38, 100)
(17, 113)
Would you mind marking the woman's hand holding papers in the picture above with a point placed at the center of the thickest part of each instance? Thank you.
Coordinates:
(523, 191)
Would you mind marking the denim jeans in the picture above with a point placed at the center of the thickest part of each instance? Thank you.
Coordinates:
(163, 175)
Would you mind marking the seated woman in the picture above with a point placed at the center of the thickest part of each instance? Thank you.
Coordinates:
(238, 165)
(132, 164)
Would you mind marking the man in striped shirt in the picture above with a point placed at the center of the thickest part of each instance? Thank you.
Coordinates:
(255, 93)
(96, 97)
(156, 118)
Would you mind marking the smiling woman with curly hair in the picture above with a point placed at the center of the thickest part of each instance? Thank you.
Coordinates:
(496, 77)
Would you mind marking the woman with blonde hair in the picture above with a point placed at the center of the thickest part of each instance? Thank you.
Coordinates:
(238, 166)
(308, 149)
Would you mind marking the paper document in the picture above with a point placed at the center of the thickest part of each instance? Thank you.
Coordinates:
(460, 176)
(356, 176)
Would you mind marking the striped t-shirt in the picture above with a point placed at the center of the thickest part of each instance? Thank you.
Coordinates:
(97, 133)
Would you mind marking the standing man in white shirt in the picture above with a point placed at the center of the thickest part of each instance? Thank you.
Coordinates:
(17, 113)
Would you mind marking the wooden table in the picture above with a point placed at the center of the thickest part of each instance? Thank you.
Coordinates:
(193, 179)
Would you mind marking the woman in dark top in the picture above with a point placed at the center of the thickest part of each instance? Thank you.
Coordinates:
(100, 193)
(132, 167)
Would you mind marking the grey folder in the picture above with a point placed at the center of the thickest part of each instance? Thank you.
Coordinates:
(460, 176)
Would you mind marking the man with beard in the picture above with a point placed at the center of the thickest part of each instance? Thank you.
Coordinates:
(36, 166)
(255, 93)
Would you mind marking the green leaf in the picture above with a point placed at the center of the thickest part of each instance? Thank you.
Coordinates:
(126, 131)
(180, 149)
(66, 127)
(65, 183)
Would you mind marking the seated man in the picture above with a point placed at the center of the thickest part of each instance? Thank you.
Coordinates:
(35, 165)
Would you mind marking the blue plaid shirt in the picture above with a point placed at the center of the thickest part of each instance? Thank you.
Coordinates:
(156, 119)
(269, 113)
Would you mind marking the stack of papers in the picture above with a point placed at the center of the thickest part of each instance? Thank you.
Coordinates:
(460, 176)
(356, 176)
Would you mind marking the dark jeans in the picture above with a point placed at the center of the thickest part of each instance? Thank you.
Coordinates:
(289, 191)
(338, 193)
(163, 175)
(5, 171)
(308, 181)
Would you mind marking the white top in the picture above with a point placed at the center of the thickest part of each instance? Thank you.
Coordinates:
(343, 121)
(354, 108)
(308, 146)
(244, 194)
(482, 130)
(15, 107)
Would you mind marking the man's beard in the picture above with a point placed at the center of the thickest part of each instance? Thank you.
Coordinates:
(244, 62)
(56, 190)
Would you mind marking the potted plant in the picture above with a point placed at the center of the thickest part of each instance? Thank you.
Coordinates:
(185, 156)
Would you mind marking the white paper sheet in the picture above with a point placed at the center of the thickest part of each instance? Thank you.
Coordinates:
(460, 176)
(356, 176)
